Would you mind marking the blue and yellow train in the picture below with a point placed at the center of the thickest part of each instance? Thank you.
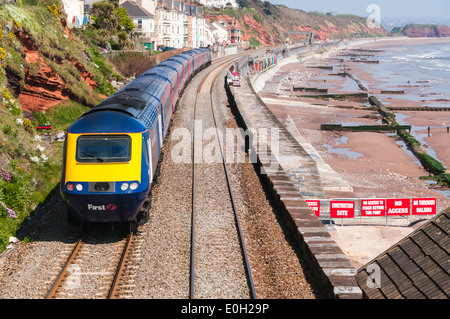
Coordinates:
(111, 152)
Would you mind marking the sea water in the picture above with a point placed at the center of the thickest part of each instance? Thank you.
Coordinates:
(421, 71)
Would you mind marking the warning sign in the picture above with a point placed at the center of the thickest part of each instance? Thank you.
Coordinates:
(424, 206)
(398, 206)
(314, 205)
(342, 209)
(373, 207)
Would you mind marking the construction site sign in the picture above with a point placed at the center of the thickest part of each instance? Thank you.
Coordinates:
(342, 209)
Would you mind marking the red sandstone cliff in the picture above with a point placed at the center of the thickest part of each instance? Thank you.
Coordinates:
(423, 31)
(271, 24)
(44, 87)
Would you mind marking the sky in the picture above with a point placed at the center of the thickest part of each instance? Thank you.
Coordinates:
(388, 8)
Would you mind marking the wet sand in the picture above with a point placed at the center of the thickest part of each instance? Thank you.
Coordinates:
(385, 168)
(374, 164)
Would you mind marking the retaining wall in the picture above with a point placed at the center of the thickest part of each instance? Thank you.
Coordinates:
(330, 266)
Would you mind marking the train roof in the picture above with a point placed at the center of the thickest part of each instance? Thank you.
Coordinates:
(113, 121)
(177, 66)
(136, 102)
(164, 71)
(140, 99)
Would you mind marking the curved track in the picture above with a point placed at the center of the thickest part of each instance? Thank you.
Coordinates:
(207, 88)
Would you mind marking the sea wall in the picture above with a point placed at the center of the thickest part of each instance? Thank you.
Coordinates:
(329, 266)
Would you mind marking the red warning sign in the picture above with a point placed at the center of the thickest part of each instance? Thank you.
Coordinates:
(342, 209)
(424, 206)
(314, 205)
(373, 207)
(398, 206)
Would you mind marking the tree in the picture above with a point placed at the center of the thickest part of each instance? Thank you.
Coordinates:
(125, 22)
(104, 15)
(123, 39)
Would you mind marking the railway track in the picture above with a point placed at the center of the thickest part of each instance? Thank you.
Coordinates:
(213, 243)
(74, 279)
(158, 263)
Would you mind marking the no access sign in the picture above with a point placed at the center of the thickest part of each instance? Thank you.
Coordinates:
(342, 209)
(398, 206)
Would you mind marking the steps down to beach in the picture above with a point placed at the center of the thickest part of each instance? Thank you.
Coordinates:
(293, 158)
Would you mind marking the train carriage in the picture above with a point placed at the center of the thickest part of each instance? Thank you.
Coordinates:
(177, 81)
(111, 153)
(189, 57)
(168, 74)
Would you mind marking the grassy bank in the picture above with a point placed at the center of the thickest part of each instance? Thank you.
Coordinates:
(30, 166)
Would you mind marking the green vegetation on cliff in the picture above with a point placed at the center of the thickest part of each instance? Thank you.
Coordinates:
(39, 54)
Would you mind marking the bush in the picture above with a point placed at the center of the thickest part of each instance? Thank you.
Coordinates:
(444, 178)
(42, 119)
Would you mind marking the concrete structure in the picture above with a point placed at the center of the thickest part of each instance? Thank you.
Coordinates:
(290, 187)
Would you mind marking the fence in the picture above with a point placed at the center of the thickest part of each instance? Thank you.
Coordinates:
(374, 210)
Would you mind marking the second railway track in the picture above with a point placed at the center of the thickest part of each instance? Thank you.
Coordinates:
(219, 263)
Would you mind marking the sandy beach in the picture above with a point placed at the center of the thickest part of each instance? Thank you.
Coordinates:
(376, 165)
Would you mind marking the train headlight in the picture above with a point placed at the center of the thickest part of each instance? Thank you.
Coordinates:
(124, 186)
(79, 187)
(134, 186)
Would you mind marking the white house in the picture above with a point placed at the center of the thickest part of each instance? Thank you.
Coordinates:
(219, 33)
(219, 3)
(173, 23)
(144, 22)
(75, 13)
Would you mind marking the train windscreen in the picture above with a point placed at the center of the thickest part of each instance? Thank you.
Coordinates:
(95, 148)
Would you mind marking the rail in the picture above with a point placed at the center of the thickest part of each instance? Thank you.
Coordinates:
(117, 274)
(238, 226)
(63, 271)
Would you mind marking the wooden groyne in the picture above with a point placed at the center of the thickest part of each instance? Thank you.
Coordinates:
(432, 165)
(364, 128)
(420, 108)
(360, 85)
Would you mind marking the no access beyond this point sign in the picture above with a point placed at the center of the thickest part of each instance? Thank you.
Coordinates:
(373, 207)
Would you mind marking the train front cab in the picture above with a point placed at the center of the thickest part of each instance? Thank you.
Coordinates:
(106, 176)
